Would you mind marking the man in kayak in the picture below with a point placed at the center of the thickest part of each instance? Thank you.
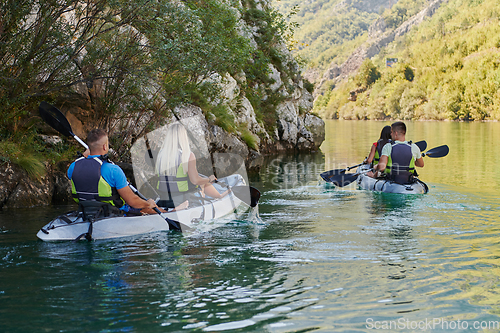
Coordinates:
(94, 178)
(399, 157)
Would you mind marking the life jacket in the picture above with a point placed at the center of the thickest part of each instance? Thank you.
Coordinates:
(401, 164)
(87, 184)
(378, 152)
(179, 183)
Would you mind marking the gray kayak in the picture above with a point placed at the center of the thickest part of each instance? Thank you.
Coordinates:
(388, 186)
(194, 219)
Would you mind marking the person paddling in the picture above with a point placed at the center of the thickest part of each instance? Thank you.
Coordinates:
(376, 149)
(399, 157)
(94, 178)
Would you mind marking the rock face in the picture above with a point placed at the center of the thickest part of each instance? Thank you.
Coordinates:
(378, 38)
(17, 190)
(291, 112)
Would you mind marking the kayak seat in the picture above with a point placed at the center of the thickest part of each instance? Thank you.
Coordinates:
(92, 210)
(171, 200)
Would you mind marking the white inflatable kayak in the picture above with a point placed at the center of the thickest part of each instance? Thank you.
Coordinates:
(383, 185)
(71, 226)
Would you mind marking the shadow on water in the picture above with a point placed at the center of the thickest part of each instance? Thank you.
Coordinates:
(380, 203)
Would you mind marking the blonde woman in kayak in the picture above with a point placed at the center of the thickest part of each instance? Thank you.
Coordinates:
(176, 167)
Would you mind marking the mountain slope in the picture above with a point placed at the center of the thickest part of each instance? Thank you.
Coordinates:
(448, 68)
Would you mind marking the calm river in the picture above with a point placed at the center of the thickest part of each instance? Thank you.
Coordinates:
(320, 260)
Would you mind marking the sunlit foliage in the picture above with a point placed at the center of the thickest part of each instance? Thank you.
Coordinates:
(448, 68)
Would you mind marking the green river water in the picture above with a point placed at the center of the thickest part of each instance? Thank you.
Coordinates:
(320, 259)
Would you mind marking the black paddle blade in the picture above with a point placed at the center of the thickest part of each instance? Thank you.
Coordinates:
(344, 180)
(254, 196)
(248, 194)
(52, 116)
(422, 145)
(329, 174)
(440, 151)
(335, 172)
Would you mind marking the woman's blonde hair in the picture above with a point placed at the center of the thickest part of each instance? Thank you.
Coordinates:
(176, 140)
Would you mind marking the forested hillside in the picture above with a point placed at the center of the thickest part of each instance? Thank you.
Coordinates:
(329, 30)
(448, 67)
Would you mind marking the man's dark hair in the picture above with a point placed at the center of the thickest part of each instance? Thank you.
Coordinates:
(95, 135)
(399, 126)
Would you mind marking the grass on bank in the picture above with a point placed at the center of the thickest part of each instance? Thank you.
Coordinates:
(32, 154)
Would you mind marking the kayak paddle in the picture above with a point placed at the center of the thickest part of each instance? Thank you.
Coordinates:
(422, 145)
(440, 151)
(53, 117)
(328, 174)
(343, 179)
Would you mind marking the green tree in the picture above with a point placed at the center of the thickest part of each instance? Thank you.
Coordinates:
(368, 73)
(135, 60)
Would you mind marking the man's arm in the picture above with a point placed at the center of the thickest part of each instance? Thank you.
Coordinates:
(417, 154)
(420, 162)
(115, 177)
(382, 163)
(133, 200)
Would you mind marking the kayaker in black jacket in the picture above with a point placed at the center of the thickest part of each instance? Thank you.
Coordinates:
(94, 178)
(399, 157)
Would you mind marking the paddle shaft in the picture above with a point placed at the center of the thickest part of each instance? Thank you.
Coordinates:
(81, 142)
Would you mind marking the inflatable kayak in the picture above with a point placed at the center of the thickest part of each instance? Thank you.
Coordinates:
(73, 225)
(388, 186)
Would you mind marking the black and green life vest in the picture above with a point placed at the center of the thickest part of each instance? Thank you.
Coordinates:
(87, 184)
(378, 152)
(401, 164)
(176, 184)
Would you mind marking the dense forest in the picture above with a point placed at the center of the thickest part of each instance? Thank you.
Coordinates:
(448, 67)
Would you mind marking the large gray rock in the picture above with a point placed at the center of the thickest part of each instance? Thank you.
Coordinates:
(316, 127)
(30, 192)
